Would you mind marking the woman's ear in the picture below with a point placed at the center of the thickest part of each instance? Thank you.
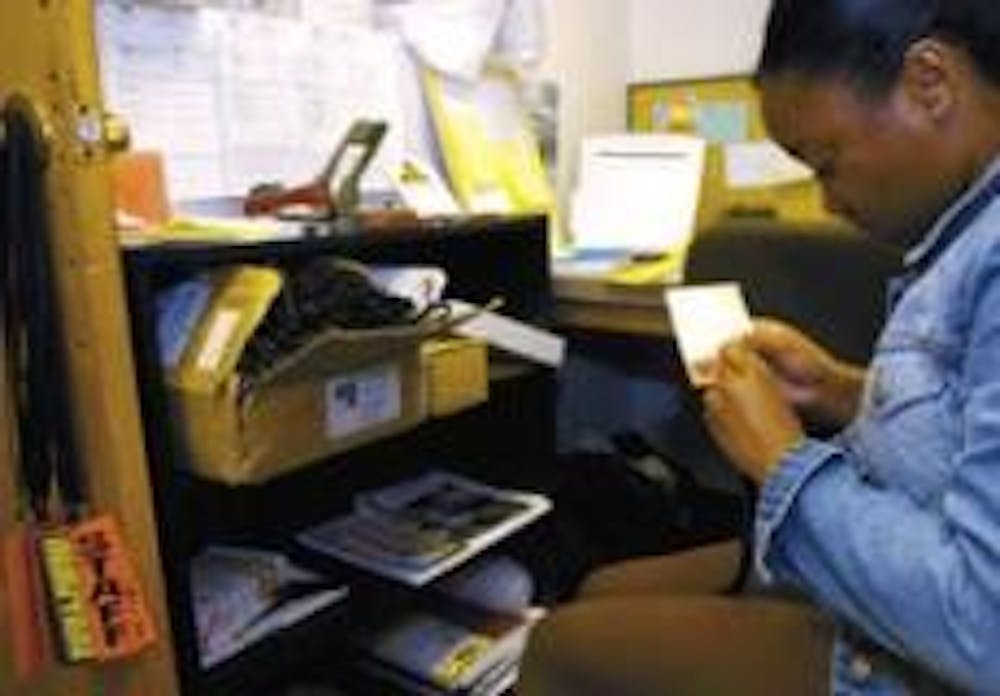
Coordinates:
(931, 78)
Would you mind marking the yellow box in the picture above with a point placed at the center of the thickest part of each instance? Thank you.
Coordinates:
(456, 373)
(341, 389)
(344, 390)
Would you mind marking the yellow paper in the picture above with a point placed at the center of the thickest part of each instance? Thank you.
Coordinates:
(240, 300)
(491, 155)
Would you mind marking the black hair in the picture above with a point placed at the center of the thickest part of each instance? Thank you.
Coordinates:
(865, 41)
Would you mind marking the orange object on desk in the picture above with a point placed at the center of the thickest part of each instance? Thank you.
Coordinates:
(139, 186)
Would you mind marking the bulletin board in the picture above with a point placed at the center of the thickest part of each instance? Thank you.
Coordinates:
(236, 94)
(662, 106)
(724, 110)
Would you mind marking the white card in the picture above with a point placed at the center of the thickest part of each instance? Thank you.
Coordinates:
(704, 318)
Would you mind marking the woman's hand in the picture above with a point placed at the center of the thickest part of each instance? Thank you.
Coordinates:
(823, 389)
(747, 413)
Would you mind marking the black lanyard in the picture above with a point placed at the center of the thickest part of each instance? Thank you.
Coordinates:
(35, 348)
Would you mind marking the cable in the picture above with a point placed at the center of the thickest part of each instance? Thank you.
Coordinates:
(33, 335)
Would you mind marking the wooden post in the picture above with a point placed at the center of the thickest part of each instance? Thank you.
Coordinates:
(48, 54)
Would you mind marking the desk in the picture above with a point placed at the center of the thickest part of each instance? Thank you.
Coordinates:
(591, 303)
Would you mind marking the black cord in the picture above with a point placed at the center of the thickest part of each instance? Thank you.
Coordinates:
(319, 295)
(32, 327)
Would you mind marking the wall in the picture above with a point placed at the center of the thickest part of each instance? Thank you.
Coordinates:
(596, 47)
(588, 58)
(693, 39)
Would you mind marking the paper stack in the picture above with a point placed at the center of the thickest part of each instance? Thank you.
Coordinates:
(467, 639)
(638, 192)
(421, 528)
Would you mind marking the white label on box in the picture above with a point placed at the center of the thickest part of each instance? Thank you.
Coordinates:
(704, 318)
(360, 400)
(218, 337)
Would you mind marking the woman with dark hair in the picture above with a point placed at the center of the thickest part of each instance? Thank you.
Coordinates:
(889, 531)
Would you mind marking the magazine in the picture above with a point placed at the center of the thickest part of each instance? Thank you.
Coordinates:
(242, 595)
(497, 681)
(417, 530)
(449, 651)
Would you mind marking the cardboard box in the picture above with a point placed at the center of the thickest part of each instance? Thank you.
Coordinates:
(344, 390)
(341, 389)
(456, 375)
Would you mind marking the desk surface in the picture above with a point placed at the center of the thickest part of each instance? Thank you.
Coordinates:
(596, 304)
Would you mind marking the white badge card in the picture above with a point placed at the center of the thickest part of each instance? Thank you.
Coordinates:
(704, 318)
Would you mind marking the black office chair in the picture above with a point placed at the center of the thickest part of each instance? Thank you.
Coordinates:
(827, 281)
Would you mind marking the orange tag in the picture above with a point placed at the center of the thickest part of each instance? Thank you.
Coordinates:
(117, 613)
(25, 603)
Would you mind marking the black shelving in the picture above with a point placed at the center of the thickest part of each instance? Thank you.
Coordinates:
(508, 441)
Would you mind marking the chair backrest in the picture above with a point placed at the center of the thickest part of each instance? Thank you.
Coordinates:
(828, 282)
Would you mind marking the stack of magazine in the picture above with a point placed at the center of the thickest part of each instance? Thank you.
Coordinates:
(427, 653)
(466, 639)
(419, 529)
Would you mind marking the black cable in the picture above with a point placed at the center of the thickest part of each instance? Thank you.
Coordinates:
(35, 470)
(32, 327)
(318, 295)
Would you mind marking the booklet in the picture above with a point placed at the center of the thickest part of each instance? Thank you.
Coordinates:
(497, 681)
(421, 528)
(448, 648)
(242, 595)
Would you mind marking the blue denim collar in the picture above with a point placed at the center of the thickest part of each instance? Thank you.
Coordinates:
(958, 217)
(946, 230)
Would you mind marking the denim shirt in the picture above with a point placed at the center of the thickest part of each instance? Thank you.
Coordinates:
(893, 526)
